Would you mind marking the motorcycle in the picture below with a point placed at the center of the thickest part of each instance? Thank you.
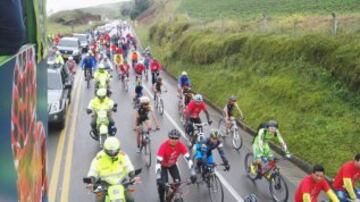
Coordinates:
(113, 192)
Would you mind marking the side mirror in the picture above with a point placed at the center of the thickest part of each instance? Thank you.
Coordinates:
(88, 180)
(138, 171)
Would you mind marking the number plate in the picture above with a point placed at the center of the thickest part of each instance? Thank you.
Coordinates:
(116, 192)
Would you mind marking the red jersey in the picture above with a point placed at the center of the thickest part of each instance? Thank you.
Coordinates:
(119, 51)
(308, 185)
(347, 170)
(113, 47)
(194, 108)
(169, 154)
(155, 65)
(139, 68)
(124, 68)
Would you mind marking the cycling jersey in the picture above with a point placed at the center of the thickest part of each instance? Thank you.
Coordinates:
(230, 108)
(138, 90)
(347, 170)
(169, 154)
(308, 185)
(139, 68)
(143, 114)
(261, 146)
(118, 59)
(124, 68)
(158, 86)
(155, 66)
(184, 81)
(134, 56)
(194, 109)
(205, 147)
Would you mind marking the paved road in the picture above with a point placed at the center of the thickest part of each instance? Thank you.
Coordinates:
(71, 150)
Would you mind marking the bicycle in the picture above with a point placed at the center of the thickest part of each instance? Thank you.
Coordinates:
(145, 145)
(271, 173)
(159, 103)
(87, 77)
(174, 192)
(197, 131)
(234, 131)
(212, 181)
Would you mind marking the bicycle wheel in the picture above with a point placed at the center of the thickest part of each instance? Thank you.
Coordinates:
(222, 128)
(249, 159)
(147, 152)
(278, 188)
(215, 188)
(236, 139)
(161, 107)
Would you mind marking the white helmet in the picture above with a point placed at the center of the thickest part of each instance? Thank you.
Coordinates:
(144, 99)
(184, 73)
(101, 66)
(198, 98)
(101, 92)
(71, 58)
(112, 146)
(58, 53)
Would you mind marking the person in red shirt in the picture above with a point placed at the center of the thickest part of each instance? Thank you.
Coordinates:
(139, 69)
(346, 179)
(71, 65)
(155, 68)
(167, 157)
(192, 113)
(119, 50)
(311, 186)
(124, 70)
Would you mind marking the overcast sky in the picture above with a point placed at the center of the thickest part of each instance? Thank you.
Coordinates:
(59, 5)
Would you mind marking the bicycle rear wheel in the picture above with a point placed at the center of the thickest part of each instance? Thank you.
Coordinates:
(216, 191)
(278, 188)
(161, 107)
(147, 152)
(237, 139)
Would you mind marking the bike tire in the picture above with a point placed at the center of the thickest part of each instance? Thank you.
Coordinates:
(278, 182)
(237, 140)
(249, 159)
(147, 153)
(215, 182)
(222, 128)
(161, 107)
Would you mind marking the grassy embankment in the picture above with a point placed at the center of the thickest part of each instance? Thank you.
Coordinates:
(308, 81)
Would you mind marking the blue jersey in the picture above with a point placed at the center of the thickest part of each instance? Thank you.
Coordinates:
(184, 81)
(87, 62)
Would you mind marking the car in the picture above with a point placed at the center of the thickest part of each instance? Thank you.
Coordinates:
(59, 95)
(84, 41)
(70, 46)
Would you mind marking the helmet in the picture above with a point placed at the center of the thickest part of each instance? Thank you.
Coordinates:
(112, 146)
(87, 54)
(214, 134)
(144, 99)
(101, 66)
(89, 51)
(272, 123)
(101, 92)
(250, 198)
(57, 52)
(198, 98)
(71, 58)
(174, 134)
(184, 73)
(232, 98)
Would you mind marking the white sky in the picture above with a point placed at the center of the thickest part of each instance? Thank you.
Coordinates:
(59, 5)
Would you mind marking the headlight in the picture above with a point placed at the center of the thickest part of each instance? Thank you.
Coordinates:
(55, 107)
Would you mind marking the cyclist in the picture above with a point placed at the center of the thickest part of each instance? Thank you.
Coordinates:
(58, 58)
(71, 65)
(157, 87)
(142, 116)
(87, 63)
(118, 60)
(188, 95)
(346, 179)
(228, 111)
(134, 56)
(167, 157)
(138, 92)
(101, 102)
(192, 113)
(139, 70)
(124, 69)
(102, 77)
(183, 80)
(310, 187)
(261, 148)
(111, 165)
(204, 147)
(155, 68)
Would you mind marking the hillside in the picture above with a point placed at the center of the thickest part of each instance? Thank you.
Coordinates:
(289, 65)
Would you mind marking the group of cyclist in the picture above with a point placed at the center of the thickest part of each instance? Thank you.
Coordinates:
(111, 164)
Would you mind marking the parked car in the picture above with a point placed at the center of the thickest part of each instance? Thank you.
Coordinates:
(70, 46)
(84, 41)
(59, 95)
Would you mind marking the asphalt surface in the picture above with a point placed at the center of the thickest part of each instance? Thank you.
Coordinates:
(72, 149)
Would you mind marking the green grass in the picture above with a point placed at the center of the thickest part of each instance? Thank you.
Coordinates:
(309, 83)
(213, 9)
(3, 58)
